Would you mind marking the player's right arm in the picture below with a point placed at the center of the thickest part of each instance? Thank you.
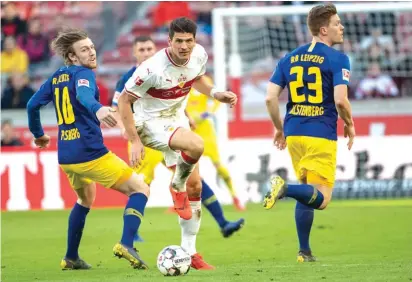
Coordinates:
(41, 98)
(135, 88)
(341, 76)
(276, 84)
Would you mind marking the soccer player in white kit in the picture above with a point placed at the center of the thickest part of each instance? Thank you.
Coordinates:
(158, 91)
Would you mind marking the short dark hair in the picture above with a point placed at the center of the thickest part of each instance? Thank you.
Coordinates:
(183, 25)
(63, 43)
(142, 38)
(320, 16)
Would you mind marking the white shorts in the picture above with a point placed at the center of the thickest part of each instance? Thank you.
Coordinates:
(157, 132)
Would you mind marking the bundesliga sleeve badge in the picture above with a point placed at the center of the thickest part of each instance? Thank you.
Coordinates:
(83, 82)
(345, 74)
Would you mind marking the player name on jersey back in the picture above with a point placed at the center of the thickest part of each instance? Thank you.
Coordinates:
(80, 139)
(161, 86)
(311, 72)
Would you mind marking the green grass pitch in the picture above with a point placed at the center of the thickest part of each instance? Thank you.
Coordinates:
(353, 240)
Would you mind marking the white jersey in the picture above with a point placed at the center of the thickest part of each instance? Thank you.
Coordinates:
(161, 86)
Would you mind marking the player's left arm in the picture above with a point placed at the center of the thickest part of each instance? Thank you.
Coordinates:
(41, 98)
(276, 84)
(341, 77)
(135, 88)
(202, 85)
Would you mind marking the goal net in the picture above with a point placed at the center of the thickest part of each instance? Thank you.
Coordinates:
(248, 42)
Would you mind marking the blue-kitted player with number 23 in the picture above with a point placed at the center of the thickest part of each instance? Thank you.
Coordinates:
(317, 77)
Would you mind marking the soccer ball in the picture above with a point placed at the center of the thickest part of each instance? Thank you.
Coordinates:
(173, 261)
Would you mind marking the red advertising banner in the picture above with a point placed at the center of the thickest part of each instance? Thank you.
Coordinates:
(32, 179)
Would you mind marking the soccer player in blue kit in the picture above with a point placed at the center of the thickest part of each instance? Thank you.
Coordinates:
(317, 77)
(81, 152)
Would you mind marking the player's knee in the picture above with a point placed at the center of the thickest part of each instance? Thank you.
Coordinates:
(86, 195)
(197, 145)
(194, 187)
(140, 186)
(327, 196)
(135, 184)
(324, 204)
(86, 202)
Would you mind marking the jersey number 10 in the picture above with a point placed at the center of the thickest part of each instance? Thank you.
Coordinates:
(298, 83)
(68, 116)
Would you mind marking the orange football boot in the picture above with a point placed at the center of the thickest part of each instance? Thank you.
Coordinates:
(199, 264)
(181, 204)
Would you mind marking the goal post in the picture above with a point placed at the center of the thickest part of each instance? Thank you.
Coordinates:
(238, 48)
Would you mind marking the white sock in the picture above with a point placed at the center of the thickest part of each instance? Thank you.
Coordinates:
(190, 228)
(184, 167)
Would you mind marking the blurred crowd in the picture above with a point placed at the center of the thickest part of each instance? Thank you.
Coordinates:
(27, 29)
(379, 47)
(379, 53)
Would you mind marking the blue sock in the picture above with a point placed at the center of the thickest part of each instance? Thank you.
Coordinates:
(304, 219)
(305, 194)
(210, 201)
(132, 217)
(77, 219)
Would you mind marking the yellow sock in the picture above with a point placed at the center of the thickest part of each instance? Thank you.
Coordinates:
(224, 174)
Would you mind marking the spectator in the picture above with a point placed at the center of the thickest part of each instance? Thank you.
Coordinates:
(13, 59)
(8, 137)
(376, 84)
(34, 43)
(376, 37)
(11, 24)
(18, 94)
(57, 26)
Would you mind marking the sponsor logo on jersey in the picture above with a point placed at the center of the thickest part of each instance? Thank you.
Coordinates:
(169, 128)
(182, 79)
(83, 82)
(138, 81)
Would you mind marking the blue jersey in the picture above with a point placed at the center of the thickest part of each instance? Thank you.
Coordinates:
(121, 83)
(75, 96)
(311, 72)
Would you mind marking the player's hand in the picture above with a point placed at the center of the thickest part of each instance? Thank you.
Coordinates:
(279, 140)
(105, 116)
(226, 97)
(349, 131)
(42, 142)
(137, 153)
